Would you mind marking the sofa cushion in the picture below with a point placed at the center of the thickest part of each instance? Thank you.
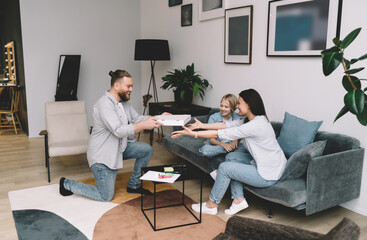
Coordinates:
(290, 193)
(187, 148)
(298, 162)
(296, 133)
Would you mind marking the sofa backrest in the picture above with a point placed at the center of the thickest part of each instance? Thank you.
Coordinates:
(335, 142)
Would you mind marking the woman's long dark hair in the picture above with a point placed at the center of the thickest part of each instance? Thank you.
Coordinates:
(254, 101)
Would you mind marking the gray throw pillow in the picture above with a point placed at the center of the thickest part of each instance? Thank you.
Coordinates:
(296, 133)
(298, 162)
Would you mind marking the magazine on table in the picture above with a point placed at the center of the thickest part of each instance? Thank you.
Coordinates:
(160, 176)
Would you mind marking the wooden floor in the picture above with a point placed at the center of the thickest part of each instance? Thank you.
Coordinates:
(22, 166)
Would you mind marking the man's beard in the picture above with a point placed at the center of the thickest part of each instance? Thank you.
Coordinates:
(124, 97)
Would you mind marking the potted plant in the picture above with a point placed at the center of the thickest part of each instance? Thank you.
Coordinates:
(355, 100)
(185, 83)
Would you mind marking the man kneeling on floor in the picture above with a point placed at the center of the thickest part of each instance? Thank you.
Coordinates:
(113, 140)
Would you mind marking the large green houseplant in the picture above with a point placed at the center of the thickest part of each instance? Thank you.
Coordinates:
(185, 83)
(355, 100)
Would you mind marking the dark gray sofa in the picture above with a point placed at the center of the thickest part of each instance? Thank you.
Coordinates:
(246, 228)
(331, 179)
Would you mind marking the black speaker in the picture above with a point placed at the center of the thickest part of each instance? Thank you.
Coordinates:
(67, 78)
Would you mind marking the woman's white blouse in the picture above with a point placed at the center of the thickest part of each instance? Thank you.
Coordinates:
(259, 139)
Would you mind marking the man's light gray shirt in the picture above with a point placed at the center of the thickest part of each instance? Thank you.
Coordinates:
(112, 130)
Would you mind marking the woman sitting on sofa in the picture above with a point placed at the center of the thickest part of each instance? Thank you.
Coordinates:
(258, 138)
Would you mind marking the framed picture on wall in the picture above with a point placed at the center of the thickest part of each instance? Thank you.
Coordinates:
(172, 3)
(302, 27)
(186, 15)
(210, 9)
(238, 35)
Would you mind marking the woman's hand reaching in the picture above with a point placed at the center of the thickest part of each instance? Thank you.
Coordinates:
(186, 131)
(196, 125)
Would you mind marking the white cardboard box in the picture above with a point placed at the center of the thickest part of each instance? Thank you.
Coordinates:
(174, 120)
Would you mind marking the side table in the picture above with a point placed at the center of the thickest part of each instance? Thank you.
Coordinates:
(188, 173)
(171, 107)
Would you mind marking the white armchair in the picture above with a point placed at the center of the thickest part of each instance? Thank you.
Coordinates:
(67, 130)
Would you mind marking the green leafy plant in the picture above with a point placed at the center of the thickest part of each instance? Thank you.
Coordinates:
(184, 80)
(355, 100)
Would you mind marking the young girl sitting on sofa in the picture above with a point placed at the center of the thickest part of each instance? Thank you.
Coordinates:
(216, 146)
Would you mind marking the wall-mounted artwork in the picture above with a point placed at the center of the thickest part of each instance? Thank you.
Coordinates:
(302, 27)
(209, 9)
(238, 35)
(172, 3)
(186, 15)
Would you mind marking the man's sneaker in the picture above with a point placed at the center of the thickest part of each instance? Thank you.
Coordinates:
(235, 208)
(62, 190)
(139, 190)
(204, 208)
(213, 174)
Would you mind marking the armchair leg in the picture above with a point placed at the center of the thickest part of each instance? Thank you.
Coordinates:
(47, 158)
(48, 168)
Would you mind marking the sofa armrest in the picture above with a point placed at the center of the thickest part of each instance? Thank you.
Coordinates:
(246, 228)
(333, 179)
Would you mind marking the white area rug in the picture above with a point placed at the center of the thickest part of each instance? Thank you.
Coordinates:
(79, 211)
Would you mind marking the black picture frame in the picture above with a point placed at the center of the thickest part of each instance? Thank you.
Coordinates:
(298, 28)
(186, 15)
(211, 9)
(238, 35)
(172, 3)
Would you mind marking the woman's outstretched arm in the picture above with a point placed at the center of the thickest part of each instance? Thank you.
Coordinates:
(196, 134)
(199, 125)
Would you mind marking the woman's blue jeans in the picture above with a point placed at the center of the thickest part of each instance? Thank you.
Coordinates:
(238, 169)
(106, 177)
(210, 151)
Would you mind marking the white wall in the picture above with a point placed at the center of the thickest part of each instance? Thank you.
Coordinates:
(296, 85)
(103, 32)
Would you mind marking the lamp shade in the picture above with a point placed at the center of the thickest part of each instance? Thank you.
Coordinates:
(151, 49)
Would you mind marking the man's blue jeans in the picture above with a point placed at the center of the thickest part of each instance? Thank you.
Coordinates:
(238, 169)
(106, 177)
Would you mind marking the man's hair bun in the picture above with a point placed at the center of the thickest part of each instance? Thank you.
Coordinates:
(111, 73)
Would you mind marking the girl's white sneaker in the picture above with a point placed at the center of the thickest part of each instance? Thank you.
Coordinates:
(235, 208)
(213, 174)
(204, 208)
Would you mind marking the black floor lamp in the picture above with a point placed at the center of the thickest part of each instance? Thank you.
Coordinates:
(151, 50)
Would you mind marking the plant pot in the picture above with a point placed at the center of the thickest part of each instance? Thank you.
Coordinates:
(187, 97)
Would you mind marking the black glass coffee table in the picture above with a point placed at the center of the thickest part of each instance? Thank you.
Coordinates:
(187, 173)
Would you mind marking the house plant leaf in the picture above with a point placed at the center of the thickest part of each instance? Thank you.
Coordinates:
(330, 61)
(354, 60)
(346, 83)
(342, 112)
(336, 41)
(354, 101)
(350, 38)
(353, 71)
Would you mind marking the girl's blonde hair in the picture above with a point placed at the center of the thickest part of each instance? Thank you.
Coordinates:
(232, 99)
